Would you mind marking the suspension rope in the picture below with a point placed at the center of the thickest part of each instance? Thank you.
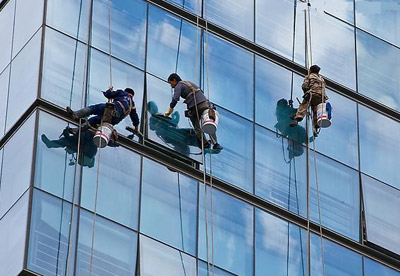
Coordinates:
(181, 220)
(109, 40)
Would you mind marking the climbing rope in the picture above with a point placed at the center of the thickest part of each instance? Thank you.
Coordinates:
(181, 220)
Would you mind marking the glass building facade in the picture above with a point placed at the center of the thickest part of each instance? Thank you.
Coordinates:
(274, 201)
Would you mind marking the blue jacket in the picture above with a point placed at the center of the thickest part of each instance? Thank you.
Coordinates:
(123, 102)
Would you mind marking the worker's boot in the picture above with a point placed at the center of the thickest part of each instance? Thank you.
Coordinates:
(217, 147)
(86, 111)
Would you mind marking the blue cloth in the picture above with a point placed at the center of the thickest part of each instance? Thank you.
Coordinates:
(329, 110)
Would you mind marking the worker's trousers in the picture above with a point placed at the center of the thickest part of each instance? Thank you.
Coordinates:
(313, 100)
(195, 118)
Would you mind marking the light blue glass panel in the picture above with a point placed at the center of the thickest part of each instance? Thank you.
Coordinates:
(128, 29)
(339, 196)
(69, 16)
(13, 237)
(63, 70)
(169, 207)
(213, 270)
(51, 252)
(379, 146)
(281, 247)
(380, 203)
(378, 67)
(172, 45)
(6, 31)
(339, 141)
(233, 232)
(17, 165)
(228, 76)
(28, 19)
(280, 175)
(372, 268)
(380, 18)
(114, 247)
(177, 133)
(273, 83)
(334, 53)
(299, 39)
(55, 157)
(234, 163)
(343, 9)
(158, 259)
(190, 5)
(24, 80)
(4, 78)
(123, 76)
(337, 259)
(236, 16)
(274, 25)
(117, 184)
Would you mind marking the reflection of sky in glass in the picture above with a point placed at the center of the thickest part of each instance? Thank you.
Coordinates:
(372, 268)
(3, 95)
(343, 9)
(380, 203)
(204, 271)
(378, 70)
(190, 5)
(6, 31)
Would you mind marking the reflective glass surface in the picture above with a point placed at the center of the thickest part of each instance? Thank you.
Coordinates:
(63, 70)
(236, 16)
(280, 175)
(116, 177)
(234, 163)
(378, 67)
(299, 37)
(49, 238)
(69, 16)
(128, 29)
(13, 236)
(343, 9)
(213, 270)
(114, 247)
(55, 157)
(158, 259)
(28, 19)
(16, 172)
(274, 25)
(281, 247)
(372, 268)
(4, 77)
(172, 45)
(6, 31)
(379, 137)
(169, 207)
(380, 18)
(191, 5)
(23, 91)
(233, 232)
(337, 259)
(228, 75)
(380, 203)
(123, 76)
(339, 196)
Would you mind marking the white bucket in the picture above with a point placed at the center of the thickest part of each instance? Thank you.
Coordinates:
(103, 135)
(322, 116)
(209, 125)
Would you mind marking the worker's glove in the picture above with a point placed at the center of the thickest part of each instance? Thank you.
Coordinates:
(170, 110)
(111, 87)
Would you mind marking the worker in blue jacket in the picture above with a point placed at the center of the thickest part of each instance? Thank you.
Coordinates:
(124, 106)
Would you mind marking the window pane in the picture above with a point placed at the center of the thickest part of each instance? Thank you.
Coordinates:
(6, 31)
(378, 67)
(338, 260)
(379, 136)
(380, 203)
(228, 74)
(380, 18)
(28, 19)
(24, 80)
(372, 268)
(234, 163)
(114, 249)
(234, 15)
(190, 5)
(117, 180)
(233, 232)
(13, 237)
(56, 157)
(158, 259)
(172, 46)
(213, 270)
(16, 172)
(3, 95)
(274, 26)
(339, 196)
(49, 240)
(280, 175)
(339, 8)
(128, 29)
(281, 247)
(63, 66)
(169, 207)
(69, 16)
